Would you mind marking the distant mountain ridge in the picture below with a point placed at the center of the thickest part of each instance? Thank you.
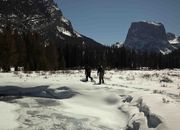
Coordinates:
(35, 34)
(42, 16)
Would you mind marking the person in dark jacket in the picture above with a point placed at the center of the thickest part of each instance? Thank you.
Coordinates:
(88, 73)
(100, 72)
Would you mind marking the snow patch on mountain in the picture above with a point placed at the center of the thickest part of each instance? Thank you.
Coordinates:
(153, 23)
(65, 20)
(77, 34)
(64, 31)
(12, 16)
(55, 7)
(118, 45)
(165, 51)
(174, 41)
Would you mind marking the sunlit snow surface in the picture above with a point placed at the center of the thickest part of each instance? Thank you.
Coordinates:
(129, 100)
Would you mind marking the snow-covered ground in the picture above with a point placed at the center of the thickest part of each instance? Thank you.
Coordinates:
(129, 100)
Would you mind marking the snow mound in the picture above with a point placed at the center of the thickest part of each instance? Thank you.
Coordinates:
(140, 116)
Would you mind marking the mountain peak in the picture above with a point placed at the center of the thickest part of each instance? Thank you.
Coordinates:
(146, 36)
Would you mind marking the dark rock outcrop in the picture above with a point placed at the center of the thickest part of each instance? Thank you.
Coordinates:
(170, 36)
(178, 38)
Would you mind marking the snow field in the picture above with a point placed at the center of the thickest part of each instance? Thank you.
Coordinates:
(129, 100)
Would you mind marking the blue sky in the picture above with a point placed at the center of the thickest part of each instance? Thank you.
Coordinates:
(108, 21)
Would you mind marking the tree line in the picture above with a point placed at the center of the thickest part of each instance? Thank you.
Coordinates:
(30, 51)
(26, 50)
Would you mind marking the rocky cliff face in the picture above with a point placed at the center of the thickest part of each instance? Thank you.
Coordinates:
(42, 16)
(170, 36)
(148, 37)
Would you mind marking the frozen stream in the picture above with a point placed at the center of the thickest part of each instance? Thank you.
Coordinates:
(82, 109)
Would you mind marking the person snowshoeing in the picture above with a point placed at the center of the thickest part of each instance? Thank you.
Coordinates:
(100, 72)
(88, 73)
